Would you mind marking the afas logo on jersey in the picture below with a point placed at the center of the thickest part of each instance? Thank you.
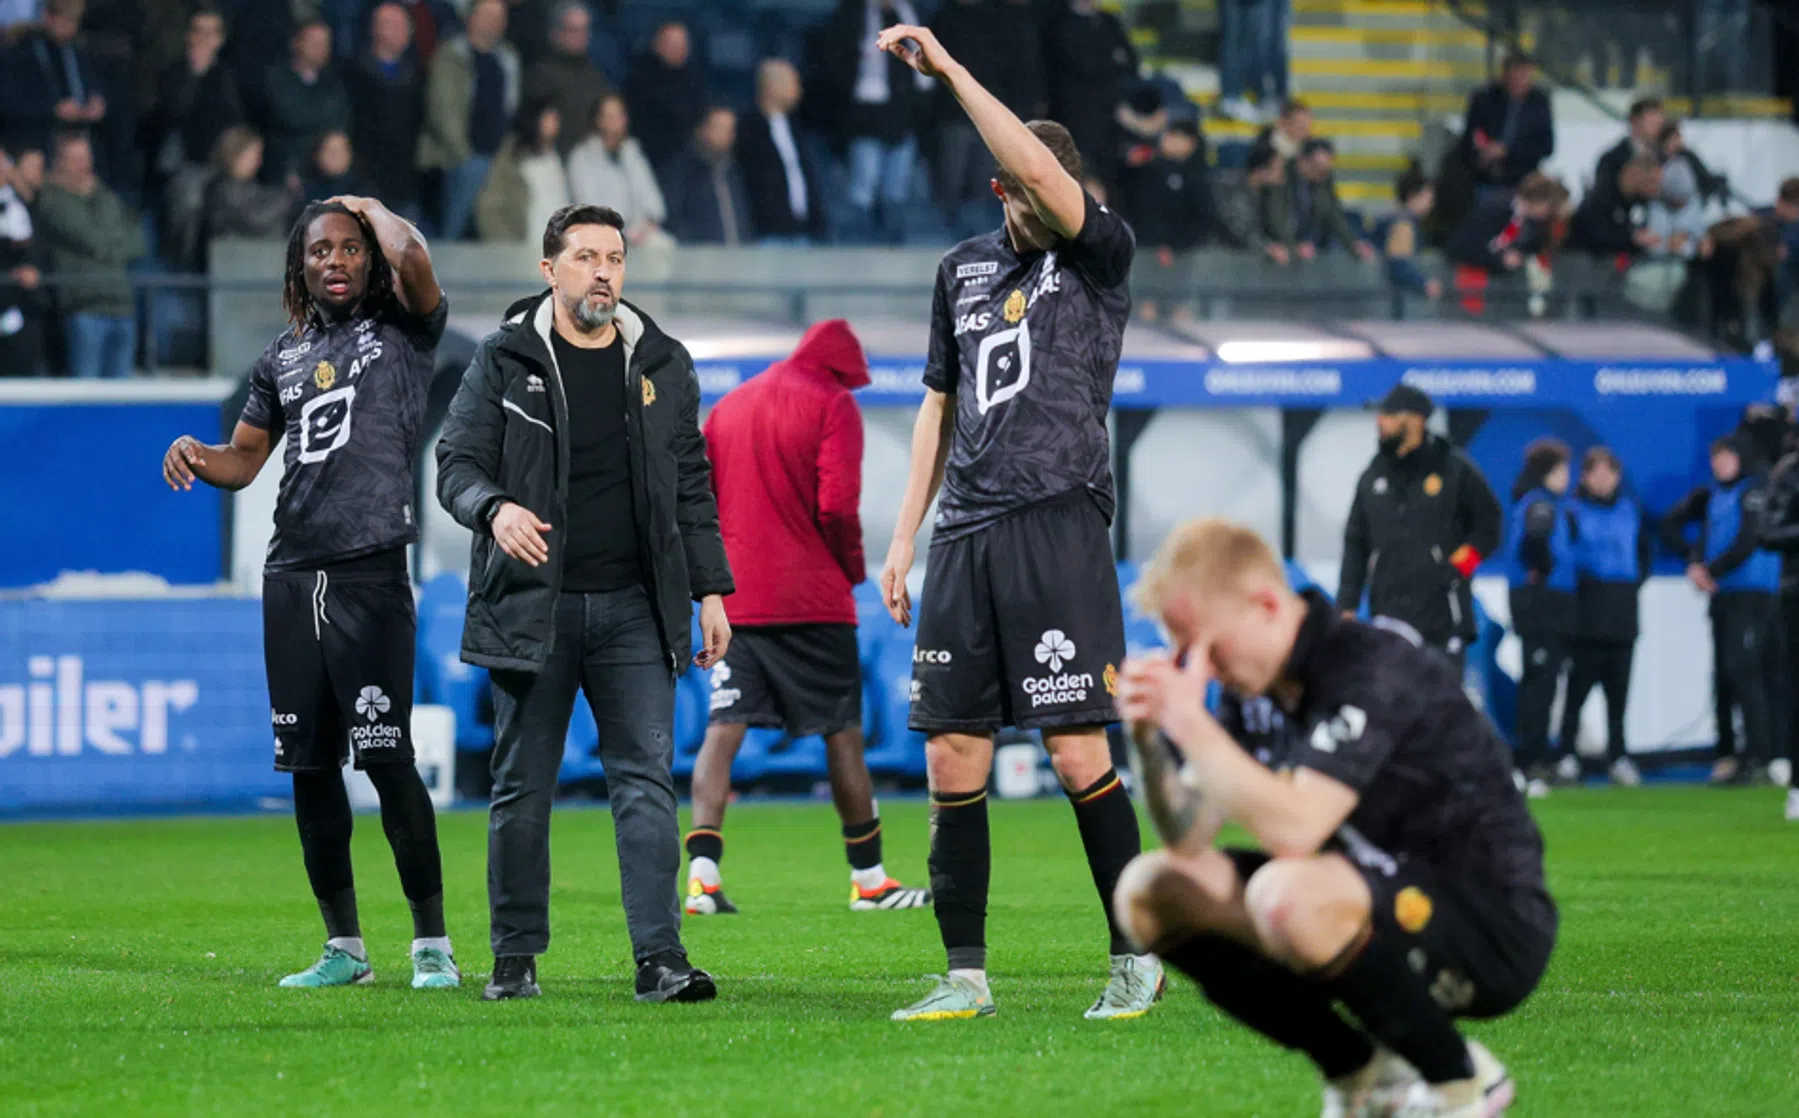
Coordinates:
(973, 320)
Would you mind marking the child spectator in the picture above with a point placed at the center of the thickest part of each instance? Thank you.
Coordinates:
(1400, 238)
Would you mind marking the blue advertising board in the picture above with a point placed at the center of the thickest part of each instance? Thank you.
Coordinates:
(119, 705)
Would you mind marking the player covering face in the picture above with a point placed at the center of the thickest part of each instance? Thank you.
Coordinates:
(345, 385)
(1399, 876)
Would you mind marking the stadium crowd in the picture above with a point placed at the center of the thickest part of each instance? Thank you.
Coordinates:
(136, 133)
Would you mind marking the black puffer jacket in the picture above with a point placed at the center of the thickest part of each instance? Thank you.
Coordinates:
(506, 439)
(1418, 527)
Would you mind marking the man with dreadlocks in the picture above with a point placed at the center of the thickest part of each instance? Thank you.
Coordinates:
(346, 384)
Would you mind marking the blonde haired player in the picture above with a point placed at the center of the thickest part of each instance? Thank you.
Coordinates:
(1399, 875)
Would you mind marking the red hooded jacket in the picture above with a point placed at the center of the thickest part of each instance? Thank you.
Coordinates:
(786, 450)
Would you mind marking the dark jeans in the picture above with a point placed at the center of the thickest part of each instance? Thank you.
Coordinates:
(1749, 672)
(1545, 659)
(607, 646)
(1606, 665)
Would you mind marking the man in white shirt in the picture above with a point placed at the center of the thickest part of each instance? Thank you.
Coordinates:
(782, 185)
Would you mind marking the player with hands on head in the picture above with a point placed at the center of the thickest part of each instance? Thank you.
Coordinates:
(1399, 875)
(345, 384)
(1020, 622)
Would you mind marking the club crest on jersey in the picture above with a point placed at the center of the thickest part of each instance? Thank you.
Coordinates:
(1433, 485)
(1014, 308)
(649, 392)
(1110, 678)
(324, 374)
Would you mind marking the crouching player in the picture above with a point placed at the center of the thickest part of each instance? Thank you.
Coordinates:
(1399, 878)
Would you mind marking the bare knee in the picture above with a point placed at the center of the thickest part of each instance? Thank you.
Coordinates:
(1163, 896)
(1079, 756)
(1307, 911)
(958, 762)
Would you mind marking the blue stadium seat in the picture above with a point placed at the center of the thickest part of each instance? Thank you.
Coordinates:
(1141, 633)
(693, 702)
(442, 676)
(580, 749)
(901, 751)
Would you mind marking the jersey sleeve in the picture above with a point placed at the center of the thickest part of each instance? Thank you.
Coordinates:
(262, 409)
(1351, 733)
(1104, 248)
(943, 364)
(423, 331)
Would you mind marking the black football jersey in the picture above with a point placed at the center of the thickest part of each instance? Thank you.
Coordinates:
(1388, 717)
(350, 397)
(1029, 345)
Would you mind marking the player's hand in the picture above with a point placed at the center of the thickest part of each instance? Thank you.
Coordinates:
(352, 202)
(1701, 578)
(715, 631)
(184, 455)
(917, 47)
(893, 582)
(1154, 689)
(520, 534)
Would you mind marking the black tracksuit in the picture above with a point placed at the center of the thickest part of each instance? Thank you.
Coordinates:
(1418, 527)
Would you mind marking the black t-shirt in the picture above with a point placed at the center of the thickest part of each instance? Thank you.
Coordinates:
(350, 398)
(1029, 347)
(1389, 718)
(601, 553)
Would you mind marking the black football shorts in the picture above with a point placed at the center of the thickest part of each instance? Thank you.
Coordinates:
(805, 679)
(1020, 624)
(339, 647)
(1482, 950)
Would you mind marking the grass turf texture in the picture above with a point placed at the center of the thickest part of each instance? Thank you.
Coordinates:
(138, 963)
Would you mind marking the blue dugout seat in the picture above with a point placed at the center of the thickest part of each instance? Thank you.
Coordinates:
(442, 676)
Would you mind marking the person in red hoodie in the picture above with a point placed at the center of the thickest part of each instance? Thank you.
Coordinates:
(786, 450)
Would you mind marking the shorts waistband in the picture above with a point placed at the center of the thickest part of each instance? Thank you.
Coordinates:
(386, 565)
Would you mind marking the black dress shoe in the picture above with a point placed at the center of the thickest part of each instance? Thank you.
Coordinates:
(668, 977)
(514, 976)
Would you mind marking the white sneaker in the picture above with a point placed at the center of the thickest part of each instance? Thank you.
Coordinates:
(1793, 805)
(1496, 1085)
(1238, 109)
(1567, 770)
(1780, 771)
(1624, 772)
(1536, 788)
(1373, 1092)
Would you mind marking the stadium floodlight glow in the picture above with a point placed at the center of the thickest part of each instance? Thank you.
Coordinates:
(1263, 352)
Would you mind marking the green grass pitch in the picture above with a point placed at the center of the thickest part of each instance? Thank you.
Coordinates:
(138, 963)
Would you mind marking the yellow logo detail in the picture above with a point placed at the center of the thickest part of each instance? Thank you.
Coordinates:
(1412, 909)
(324, 375)
(694, 888)
(1110, 676)
(649, 392)
(1433, 485)
(1014, 309)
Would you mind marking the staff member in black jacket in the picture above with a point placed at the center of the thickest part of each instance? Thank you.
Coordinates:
(1539, 559)
(1612, 554)
(573, 451)
(1780, 531)
(1422, 521)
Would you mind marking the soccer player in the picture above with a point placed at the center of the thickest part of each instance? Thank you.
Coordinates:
(1400, 876)
(786, 452)
(346, 384)
(1020, 622)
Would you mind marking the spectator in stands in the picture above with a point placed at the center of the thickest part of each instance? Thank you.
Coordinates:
(1614, 221)
(1612, 555)
(1678, 233)
(1169, 199)
(707, 203)
(1646, 120)
(1252, 56)
(1728, 561)
(1671, 145)
(565, 76)
(609, 168)
(1308, 215)
(1541, 566)
(302, 99)
(1141, 121)
(1500, 233)
(1094, 67)
(331, 170)
(196, 101)
(778, 173)
(426, 35)
(237, 204)
(471, 95)
(1237, 204)
(23, 302)
(1288, 135)
(1000, 44)
(1401, 236)
(48, 80)
(529, 181)
(1508, 130)
(387, 94)
(1780, 531)
(666, 93)
(885, 106)
(528, 29)
(90, 236)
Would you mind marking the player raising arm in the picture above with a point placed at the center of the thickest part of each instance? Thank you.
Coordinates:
(345, 383)
(1399, 874)
(1020, 622)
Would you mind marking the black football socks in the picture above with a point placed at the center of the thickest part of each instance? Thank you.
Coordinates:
(1391, 1000)
(862, 844)
(961, 866)
(1108, 826)
(410, 821)
(322, 811)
